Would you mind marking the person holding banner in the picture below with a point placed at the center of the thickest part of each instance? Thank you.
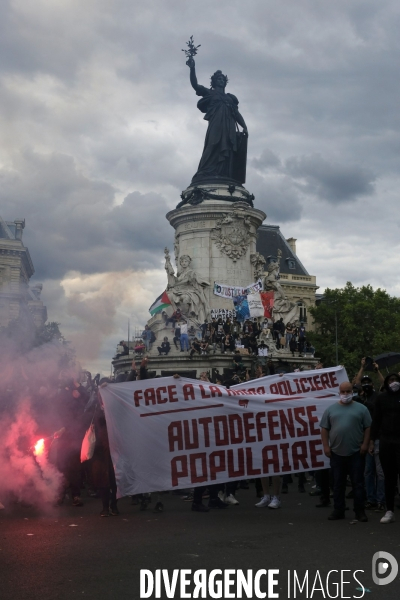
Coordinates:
(268, 499)
(271, 500)
(102, 476)
(345, 429)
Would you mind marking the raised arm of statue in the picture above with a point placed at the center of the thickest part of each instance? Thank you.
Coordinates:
(193, 78)
(169, 269)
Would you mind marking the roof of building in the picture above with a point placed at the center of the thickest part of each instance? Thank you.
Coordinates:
(7, 230)
(269, 241)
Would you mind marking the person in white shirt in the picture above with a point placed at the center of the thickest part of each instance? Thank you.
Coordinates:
(184, 336)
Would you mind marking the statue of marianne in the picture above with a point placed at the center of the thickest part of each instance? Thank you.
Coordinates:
(225, 148)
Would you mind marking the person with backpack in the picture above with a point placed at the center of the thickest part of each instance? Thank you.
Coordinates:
(148, 337)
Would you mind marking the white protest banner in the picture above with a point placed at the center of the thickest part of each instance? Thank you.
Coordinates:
(173, 433)
(228, 291)
(222, 313)
(256, 307)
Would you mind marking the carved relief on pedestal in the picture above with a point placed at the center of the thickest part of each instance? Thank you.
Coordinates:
(176, 247)
(258, 262)
(232, 234)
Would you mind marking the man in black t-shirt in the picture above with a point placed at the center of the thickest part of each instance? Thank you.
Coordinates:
(196, 347)
(302, 337)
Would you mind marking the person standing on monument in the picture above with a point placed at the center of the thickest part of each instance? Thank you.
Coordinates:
(302, 338)
(184, 336)
(204, 328)
(146, 337)
(235, 329)
(221, 142)
(289, 333)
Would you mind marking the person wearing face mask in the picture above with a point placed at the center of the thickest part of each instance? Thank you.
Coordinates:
(345, 428)
(386, 428)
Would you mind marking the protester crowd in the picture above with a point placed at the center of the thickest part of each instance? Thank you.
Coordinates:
(360, 434)
(226, 336)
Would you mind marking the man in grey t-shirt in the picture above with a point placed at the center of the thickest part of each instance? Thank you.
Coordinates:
(345, 428)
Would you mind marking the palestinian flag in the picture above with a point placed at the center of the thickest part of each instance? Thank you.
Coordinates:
(162, 302)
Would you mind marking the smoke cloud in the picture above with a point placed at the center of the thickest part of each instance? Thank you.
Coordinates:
(25, 477)
(29, 384)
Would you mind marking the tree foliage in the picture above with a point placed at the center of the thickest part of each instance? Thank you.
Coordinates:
(48, 333)
(368, 324)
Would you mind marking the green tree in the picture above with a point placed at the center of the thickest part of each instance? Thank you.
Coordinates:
(48, 333)
(368, 324)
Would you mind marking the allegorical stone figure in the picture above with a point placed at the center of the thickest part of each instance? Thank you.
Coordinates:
(225, 147)
(283, 307)
(186, 289)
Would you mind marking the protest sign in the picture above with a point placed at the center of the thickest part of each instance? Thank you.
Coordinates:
(241, 306)
(256, 307)
(267, 299)
(229, 291)
(222, 313)
(173, 433)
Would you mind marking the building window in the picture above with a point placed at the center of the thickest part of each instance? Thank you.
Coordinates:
(291, 263)
(302, 312)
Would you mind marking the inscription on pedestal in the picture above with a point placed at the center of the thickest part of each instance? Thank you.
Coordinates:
(194, 225)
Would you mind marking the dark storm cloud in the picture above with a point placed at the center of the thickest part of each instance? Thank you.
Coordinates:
(267, 160)
(100, 130)
(277, 197)
(316, 176)
(72, 222)
(331, 181)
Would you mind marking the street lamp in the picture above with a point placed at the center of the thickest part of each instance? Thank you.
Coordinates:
(336, 332)
(336, 328)
(336, 342)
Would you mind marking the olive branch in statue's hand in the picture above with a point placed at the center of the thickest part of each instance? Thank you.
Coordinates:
(190, 52)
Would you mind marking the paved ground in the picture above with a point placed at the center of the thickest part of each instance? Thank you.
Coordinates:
(73, 553)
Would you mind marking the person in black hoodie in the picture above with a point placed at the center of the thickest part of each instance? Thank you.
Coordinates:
(101, 467)
(374, 478)
(70, 406)
(386, 428)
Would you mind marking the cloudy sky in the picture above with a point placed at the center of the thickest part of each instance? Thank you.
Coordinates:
(100, 134)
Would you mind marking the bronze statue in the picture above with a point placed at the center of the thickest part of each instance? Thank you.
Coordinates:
(225, 147)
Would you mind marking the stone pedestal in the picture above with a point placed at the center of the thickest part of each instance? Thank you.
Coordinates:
(179, 362)
(220, 237)
(216, 226)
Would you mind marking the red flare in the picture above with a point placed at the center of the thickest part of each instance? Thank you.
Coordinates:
(39, 447)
